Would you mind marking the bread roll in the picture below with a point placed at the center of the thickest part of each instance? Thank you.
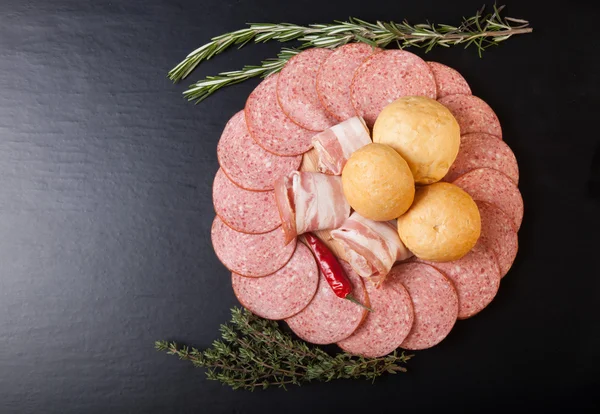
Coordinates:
(443, 223)
(425, 134)
(378, 183)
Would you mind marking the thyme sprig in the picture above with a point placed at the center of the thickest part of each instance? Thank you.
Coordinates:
(255, 353)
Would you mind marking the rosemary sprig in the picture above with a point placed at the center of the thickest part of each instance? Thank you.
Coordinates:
(256, 353)
(481, 31)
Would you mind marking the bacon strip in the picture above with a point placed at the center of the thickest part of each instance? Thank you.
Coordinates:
(335, 145)
(371, 247)
(310, 201)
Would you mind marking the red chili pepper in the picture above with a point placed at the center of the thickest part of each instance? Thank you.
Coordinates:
(331, 269)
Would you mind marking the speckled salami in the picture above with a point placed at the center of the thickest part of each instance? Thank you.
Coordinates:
(480, 150)
(251, 255)
(245, 162)
(297, 90)
(498, 233)
(335, 76)
(476, 277)
(448, 81)
(434, 300)
(387, 76)
(494, 187)
(472, 114)
(243, 210)
(328, 318)
(270, 127)
(285, 292)
(386, 327)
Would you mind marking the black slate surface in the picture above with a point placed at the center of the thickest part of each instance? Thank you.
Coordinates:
(105, 210)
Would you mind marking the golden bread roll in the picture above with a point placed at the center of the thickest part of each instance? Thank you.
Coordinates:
(378, 183)
(443, 223)
(425, 134)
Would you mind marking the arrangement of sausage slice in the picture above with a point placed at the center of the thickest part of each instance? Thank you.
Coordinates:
(328, 100)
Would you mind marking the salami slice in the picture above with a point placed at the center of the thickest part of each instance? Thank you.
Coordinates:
(448, 81)
(494, 187)
(476, 277)
(386, 327)
(270, 127)
(434, 300)
(472, 114)
(285, 292)
(387, 76)
(480, 150)
(335, 76)
(251, 255)
(245, 162)
(328, 318)
(498, 233)
(243, 210)
(297, 91)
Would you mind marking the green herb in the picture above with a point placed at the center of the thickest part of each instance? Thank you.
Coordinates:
(256, 353)
(481, 30)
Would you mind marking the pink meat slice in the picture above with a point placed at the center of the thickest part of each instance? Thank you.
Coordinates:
(387, 76)
(252, 255)
(285, 292)
(472, 114)
(489, 185)
(386, 327)
(329, 318)
(476, 277)
(243, 210)
(498, 233)
(245, 162)
(335, 76)
(481, 150)
(448, 81)
(270, 127)
(434, 300)
(297, 90)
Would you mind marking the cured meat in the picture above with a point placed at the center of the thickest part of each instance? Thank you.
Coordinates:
(245, 162)
(386, 327)
(481, 150)
(243, 210)
(448, 81)
(285, 292)
(328, 318)
(251, 255)
(476, 277)
(310, 201)
(335, 145)
(297, 90)
(498, 233)
(489, 185)
(371, 247)
(270, 127)
(335, 76)
(472, 114)
(434, 300)
(387, 76)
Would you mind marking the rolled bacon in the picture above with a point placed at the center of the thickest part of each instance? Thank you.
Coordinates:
(371, 247)
(335, 145)
(310, 201)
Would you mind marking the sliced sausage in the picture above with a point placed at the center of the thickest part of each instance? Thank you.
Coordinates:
(245, 162)
(489, 185)
(243, 210)
(297, 90)
(387, 76)
(251, 255)
(329, 318)
(285, 292)
(270, 127)
(472, 114)
(448, 81)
